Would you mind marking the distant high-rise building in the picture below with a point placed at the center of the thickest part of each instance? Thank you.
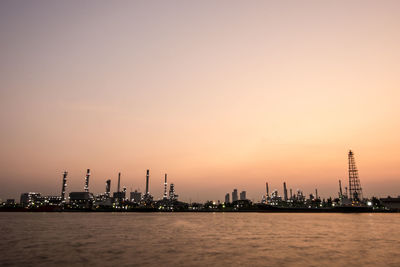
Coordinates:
(234, 195)
(243, 195)
(227, 198)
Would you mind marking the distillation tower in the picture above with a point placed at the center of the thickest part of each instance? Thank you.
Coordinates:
(64, 185)
(86, 188)
(165, 188)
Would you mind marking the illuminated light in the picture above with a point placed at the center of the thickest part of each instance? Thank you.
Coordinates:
(369, 203)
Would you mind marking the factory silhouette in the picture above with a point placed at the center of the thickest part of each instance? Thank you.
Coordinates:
(349, 200)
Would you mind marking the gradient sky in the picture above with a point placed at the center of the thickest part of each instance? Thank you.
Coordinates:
(218, 94)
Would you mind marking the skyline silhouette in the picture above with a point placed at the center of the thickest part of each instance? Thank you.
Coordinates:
(219, 95)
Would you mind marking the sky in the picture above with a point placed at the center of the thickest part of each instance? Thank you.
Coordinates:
(218, 94)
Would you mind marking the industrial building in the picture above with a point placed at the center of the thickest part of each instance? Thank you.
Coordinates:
(81, 200)
(30, 199)
(136, 197)
(35, 200)
(391, 202)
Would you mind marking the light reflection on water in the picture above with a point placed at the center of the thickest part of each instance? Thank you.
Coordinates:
(198, 239)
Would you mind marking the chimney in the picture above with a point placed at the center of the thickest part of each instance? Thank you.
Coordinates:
(147, 181)
(119, 180)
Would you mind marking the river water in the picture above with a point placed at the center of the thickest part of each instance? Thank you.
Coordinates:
(199, 239)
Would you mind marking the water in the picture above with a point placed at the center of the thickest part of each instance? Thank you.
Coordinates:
(199, 239)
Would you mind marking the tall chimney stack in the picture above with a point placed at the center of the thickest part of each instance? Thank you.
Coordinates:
(147, 181)
(284, 191)
(266, 185)
(119, 180)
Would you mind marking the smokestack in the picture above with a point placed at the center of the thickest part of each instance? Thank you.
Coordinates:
(340, 189)
(284, 191)
(147, 181)
(165, 187)
(108, 187)
(291, 193)
(64, 185)
(119, 180)
(316, 193)
(86, 188)
(266, 185)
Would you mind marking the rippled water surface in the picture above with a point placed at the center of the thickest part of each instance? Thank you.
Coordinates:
(199, 239)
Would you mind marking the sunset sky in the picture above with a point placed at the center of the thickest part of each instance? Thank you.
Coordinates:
(218, 94)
